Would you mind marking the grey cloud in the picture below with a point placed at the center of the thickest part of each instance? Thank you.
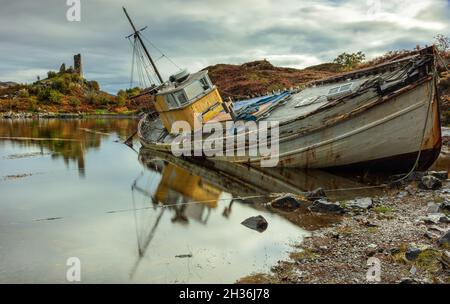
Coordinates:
(36, 37)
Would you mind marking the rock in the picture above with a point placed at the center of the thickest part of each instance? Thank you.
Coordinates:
(414, 176)
(444, 219)
(432, 208)
(434, 218)
(436, 228)
(257, 223)
(360, 203)
(431, 235)
(408, 281)
(372, 246)
(287, 202)
(316, 194)
(368, 223)
(445, 240)
(442, 175)
(412, 253)
(322, 205)
(445, 206)
(429, 182)
(445, 258)
(410, 189)
(402, 194)
(413, 270)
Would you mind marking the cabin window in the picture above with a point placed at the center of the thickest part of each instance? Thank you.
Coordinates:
(205, 83)
(182, 100)
(171, 101)
(194, 90)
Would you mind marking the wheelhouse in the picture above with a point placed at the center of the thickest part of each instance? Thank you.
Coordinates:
(186, 97)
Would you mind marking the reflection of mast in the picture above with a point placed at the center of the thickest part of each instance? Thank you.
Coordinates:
(142, 247)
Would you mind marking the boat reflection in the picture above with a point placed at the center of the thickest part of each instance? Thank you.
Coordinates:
(191, 189)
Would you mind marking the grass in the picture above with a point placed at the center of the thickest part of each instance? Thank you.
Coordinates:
(372, 229)
(305, 254)
(258, 278)
(429, 260)
(382, 209)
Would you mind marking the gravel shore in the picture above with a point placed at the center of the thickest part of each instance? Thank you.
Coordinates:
(401, 233)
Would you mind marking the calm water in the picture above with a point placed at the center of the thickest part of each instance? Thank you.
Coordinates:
(91, 198)
(70, 188)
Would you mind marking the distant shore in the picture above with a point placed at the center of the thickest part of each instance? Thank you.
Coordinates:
(48, 115)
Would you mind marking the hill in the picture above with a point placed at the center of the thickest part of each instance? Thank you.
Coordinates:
(259, 77)
(66, 92)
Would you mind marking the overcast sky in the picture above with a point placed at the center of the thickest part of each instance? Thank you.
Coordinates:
(35, 36)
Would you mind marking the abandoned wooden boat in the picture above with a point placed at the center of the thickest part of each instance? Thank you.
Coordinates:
(383, 117)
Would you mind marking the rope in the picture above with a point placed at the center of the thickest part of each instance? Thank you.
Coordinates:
(442, 61)
(416, 163)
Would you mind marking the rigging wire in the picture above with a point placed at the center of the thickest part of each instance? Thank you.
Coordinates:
(161, 52)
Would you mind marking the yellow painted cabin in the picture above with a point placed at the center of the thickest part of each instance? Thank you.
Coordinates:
(186, 96)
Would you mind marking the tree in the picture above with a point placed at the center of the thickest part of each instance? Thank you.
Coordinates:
(442, 43)
(350, 61)
(51, 74)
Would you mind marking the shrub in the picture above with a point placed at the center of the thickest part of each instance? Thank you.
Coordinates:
(102, 100)
(61, 85)
(23, 93)
(51, 74)
(74, 101)
(93, 85)
(55, 97)
(350, 61)
(91, 98)
(43, 93)
(32, 104)
(132, 92)
(121, 100)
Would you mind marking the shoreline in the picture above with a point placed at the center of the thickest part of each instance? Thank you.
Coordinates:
(52, 115)
(402, 229)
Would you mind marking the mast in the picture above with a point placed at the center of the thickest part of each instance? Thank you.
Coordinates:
(136, 34)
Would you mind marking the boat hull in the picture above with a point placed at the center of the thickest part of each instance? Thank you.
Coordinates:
(384, 135)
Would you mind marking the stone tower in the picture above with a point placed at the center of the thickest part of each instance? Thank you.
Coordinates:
(78, 65)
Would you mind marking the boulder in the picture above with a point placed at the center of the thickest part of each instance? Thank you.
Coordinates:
(429, 182)
(445, 240)
(412, 252)
(316, 194)
(442, 175)
(435, 218)
(432, 208)
(360, 203)
(287, 202)
(445, 259)
(445, 206)
(322, 205)
(257, 223)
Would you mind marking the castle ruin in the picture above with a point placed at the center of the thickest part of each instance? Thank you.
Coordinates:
(77, 66)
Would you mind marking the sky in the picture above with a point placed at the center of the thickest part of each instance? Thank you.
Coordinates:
(36, 36)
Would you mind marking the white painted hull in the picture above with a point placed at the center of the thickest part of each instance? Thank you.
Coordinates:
(368, 128)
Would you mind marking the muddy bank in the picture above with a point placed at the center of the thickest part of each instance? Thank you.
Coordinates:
(406, 230)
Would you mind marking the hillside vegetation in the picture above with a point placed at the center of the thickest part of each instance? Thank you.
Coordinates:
(66, 92)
